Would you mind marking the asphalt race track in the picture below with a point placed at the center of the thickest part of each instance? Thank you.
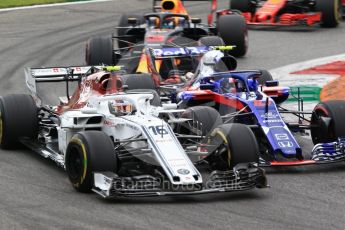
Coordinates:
(35, 194)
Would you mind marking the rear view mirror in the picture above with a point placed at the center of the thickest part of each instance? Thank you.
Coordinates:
(196, 20)
(132, 21)
(271, 83)
(206, 86)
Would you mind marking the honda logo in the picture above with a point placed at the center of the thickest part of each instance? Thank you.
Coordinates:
(285, 144)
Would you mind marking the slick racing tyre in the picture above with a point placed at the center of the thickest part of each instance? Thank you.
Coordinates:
(142, 83)
(138, 81)
(331, 11)
(327, 121)
(233, 30)
(88, 152)
(18, 118)
(242, 5)
(265, 76)
(100, 50)
(233, 144)
(124, 42)
(211, 41)
(203, 120)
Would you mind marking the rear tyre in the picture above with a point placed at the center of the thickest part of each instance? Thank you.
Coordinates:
(138, 81)
(142, 83)
(204, 120)
(233, 144)
(88, 152)
(100, 50)
(328, 121)
(331, 11)
(211, 41)
(233, 30)
(18, 118)
(265, 76)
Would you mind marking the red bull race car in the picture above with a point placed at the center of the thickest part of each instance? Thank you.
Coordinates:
(168, 24)
(290, 12)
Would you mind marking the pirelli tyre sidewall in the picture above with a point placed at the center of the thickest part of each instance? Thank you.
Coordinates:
(88, 152)
(236, 143)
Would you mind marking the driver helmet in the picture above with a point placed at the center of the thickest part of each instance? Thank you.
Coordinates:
(120, 108)
(212, 57)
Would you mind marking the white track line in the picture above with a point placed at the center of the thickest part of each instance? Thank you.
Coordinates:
(283, 74)
(51, 5)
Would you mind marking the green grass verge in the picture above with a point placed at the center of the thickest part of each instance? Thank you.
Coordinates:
(308, 93)
(16, 3)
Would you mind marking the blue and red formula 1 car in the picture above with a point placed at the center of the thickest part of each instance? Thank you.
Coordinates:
(254, 99)
(290, 12)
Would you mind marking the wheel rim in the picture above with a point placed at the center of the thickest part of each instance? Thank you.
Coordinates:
(75, 165)
(319, 134)
(77, 161)
(218, 139)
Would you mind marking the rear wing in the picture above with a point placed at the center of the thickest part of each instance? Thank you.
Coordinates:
(56, 74)
(171, 52)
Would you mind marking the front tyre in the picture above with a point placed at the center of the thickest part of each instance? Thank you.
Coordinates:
(232, 144)
(265, 76)
(18, 118)
(88, 152)
(331, 11)
(203, 120)
(327, 121)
